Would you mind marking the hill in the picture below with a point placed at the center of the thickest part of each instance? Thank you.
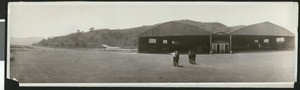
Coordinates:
(213, 27)
(124, 38)
(234, 28)
(24, 41)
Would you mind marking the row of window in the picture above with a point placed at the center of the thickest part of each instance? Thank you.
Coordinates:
(151, 40)
(267, 40)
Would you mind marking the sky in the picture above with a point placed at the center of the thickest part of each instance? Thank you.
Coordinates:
(45, 19)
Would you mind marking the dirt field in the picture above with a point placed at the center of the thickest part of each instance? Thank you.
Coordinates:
(73, 66)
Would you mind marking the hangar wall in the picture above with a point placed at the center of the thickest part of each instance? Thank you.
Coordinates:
(171, 36)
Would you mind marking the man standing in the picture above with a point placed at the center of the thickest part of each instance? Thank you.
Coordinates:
(175, 59)
(190, 56)
(193, 57)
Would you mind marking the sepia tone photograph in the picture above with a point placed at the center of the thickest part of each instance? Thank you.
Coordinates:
(152, 42)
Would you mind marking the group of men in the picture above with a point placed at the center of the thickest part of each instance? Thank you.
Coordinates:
(191, 56)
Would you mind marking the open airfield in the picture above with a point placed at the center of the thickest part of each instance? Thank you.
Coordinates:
(75, 66)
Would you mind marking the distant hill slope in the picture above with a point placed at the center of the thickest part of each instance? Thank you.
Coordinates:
(213, 27)
(124, 38)
(234, 28)
(24, 41)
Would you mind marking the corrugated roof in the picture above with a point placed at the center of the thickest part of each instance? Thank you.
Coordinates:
(174, 29)
(264, 28)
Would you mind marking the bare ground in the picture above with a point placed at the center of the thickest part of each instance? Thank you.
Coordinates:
(72, 66)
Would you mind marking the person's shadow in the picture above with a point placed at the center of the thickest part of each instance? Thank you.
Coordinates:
(196, 64)
(180, 66)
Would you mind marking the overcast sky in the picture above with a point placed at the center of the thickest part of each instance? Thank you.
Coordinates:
(56, 19)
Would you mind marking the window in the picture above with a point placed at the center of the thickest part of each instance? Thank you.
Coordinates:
(165, 41)
(173, 42)
(151, 40)
(256, 41)
(279, 39)
(266, 40)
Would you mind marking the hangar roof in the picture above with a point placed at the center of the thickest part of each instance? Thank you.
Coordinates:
(264, 28)
(174, 29)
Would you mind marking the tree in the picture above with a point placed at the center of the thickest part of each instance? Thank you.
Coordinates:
(42, 42)
(92, 29)
(78, 31)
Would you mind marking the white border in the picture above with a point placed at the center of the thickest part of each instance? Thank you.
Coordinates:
(296, 41)
(140, 3)
(203, 85)
(8, 45)
(209, 84)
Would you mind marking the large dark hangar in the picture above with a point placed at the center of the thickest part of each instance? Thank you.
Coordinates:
(170, 36)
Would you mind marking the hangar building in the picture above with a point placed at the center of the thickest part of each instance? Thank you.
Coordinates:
(170, 36)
